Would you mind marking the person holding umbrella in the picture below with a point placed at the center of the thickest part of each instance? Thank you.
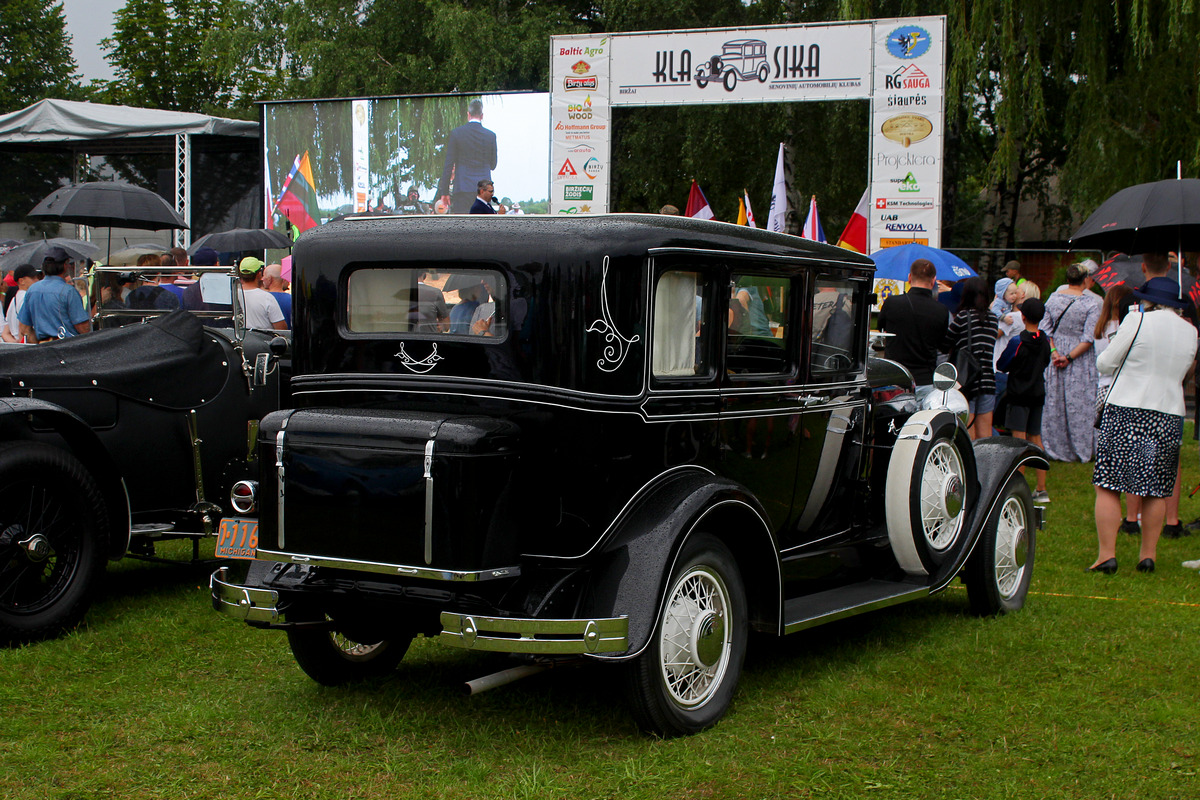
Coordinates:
(52, 309)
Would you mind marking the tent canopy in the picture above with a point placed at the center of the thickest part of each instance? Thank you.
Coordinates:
(61, 122)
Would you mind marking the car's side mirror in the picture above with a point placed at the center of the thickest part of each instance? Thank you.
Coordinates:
(279, 346)
(945, 377)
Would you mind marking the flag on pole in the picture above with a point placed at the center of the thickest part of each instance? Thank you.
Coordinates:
(776, 216)
(742, 218)
(749, 211)
(812, 225)
(854, 237)
(697, 204)
(297, 200)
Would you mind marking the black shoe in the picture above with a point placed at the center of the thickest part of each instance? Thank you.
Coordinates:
(1107, 567)
(1146, 565)
(1172, 531)
(1191, 527)
(1131, 527)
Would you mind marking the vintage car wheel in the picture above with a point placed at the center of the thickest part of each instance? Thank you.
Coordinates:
(730, 80)
(929, 489)
(53, 541)
(764, 72)
(684, 680)
(331, 658)
(701, 80)
(1000, 568)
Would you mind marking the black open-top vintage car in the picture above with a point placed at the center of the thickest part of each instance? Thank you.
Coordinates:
(623, 438)
(113, 441)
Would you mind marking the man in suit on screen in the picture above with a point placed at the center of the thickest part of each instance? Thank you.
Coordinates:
(470, 158)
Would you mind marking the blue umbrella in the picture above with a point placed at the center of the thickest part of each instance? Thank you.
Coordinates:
(892, 263)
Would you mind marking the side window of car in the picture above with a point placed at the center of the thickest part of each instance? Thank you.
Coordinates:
(680, 339)
(836, 351)
(467, 302)
(757, 342)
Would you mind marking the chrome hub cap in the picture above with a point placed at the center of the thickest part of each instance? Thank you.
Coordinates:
(694, 640)
(37, 548)
(1012, 547)
(943, 496)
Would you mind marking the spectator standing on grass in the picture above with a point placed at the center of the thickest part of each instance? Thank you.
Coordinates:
(918, 324)
(1141, 425)
(1112, 313)
(1070, 409)
(1008, 297)
(1024, 360)
(974, 327)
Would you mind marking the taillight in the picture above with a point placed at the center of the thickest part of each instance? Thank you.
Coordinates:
(243, 496)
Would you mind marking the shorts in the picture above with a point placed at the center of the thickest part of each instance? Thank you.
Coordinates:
(983, 404)
(1024, 419)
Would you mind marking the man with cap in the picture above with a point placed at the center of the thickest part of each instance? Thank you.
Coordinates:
(261, 309)
(52, 308)
(918, 323)
(25, 276)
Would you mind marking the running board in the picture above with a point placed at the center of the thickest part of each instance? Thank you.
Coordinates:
(811, 610)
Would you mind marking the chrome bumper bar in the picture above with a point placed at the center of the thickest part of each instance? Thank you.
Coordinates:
(244, 602)
(537, 636)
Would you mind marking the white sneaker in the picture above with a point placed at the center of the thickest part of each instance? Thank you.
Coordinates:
(1192, 564)
(1041, 497)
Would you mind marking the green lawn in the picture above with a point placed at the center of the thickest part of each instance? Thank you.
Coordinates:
(1091, 692)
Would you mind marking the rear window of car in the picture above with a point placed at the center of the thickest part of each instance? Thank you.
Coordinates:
(467, 302)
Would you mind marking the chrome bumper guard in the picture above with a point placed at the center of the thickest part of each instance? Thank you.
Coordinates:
(537, 636)
(243, 602)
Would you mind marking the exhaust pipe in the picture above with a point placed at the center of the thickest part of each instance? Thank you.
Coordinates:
(503, 677)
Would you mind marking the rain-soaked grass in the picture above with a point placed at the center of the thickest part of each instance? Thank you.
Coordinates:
(1090, 692)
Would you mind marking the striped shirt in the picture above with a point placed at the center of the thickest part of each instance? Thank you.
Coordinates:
(981, 326)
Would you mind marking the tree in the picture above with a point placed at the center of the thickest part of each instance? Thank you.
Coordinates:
(157, 52)
(35, 63)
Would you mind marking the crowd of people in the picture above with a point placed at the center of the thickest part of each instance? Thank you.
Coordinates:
(1083, 376)
(51, 301)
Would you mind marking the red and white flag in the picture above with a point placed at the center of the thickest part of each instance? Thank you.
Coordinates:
(812, 225)
(697, 204)
(749, 211)
(854, 237)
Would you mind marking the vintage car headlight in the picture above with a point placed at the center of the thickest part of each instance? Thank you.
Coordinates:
(243, 496)
(946, 394)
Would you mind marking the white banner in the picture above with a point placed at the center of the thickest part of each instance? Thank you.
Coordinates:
(579, 125)
(742, 65)
(360, 135)
(907, 132)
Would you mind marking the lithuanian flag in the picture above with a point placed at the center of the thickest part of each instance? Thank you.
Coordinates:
(297, 199)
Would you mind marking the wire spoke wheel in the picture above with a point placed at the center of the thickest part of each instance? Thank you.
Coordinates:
(1012, 548)
(942, 496)
(695, 639)
(1001, 566)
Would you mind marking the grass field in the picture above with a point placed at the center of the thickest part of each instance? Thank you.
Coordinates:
(1091, 691)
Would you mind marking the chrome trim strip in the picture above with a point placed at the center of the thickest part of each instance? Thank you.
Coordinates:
(429, 502)
(426, 573)
(246, 603)
(279, 483)
(852, 611)
(539, 636)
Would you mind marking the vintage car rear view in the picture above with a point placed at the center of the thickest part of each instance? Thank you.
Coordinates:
(114, 441)
(629, 439)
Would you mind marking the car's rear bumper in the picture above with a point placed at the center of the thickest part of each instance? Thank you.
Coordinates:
(247, 603)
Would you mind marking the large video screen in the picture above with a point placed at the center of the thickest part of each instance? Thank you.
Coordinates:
(407, 155)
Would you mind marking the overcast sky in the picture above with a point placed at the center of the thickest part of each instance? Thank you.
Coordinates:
(89, 21)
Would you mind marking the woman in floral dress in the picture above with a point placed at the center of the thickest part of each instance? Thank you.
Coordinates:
(1070, 411)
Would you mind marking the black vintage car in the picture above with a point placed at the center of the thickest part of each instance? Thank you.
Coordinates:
(115, 440)
(627, 438)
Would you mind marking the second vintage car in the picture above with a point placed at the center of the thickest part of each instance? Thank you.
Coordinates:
(630, 439)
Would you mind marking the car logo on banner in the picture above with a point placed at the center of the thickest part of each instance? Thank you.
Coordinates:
(909, 42)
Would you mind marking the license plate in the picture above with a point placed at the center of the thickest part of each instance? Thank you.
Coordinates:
(238, 538)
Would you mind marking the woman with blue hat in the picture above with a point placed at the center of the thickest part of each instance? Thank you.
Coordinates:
(1141, 421)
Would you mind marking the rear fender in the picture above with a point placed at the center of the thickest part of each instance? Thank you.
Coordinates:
(636, 562)
(27, 418)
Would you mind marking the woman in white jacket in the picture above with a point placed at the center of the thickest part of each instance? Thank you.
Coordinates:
(1137, 446)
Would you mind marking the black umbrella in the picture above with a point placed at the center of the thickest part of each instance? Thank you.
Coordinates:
(35, 252)
(108, 204)
(239, 239)
(1150, 217)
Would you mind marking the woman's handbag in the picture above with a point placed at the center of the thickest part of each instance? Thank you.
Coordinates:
(965, 363)
(1103, 404)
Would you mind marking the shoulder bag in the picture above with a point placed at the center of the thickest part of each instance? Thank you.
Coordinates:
(965, 363)
(1099, 420)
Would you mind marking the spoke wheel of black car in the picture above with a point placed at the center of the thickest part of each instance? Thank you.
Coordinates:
(53, 541)
(683, 682)
(730, 80)
(1001, 566)
(331, 658)
(930, 489)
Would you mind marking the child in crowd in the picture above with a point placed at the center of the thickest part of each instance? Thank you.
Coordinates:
(1025, 360)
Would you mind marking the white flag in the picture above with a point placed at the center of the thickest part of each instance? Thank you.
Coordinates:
(775, 218)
